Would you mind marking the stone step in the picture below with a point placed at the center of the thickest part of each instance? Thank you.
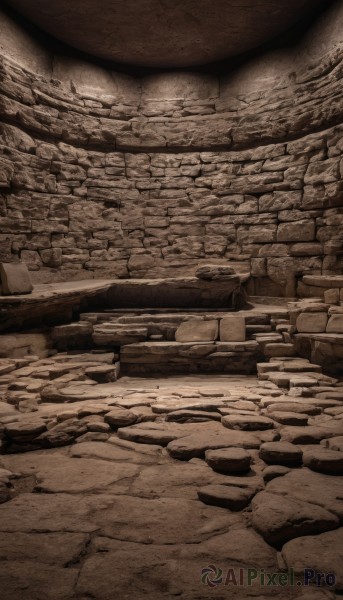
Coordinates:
(176, 357)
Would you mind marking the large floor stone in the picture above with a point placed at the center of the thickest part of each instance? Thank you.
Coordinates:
(28, 579)
(195, 445)
(226, 496)
(58, 473)
(321, 553)
(247, 422)
(281, 453)
(279, 520)
(229, 460)
(324, 461)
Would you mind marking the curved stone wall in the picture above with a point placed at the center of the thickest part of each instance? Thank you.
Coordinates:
(102, 174)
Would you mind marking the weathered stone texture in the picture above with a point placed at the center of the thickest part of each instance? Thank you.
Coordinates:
(94, 187)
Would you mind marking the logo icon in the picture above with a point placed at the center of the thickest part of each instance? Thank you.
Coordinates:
(212, 576)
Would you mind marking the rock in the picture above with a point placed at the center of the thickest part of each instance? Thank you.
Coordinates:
(335, 324)
(324, 461)
(281, 453)
(103, 373)
(276, 349)
(288, 418)
(228, 460)
(15, 279)
(199, 331)
(307, 435)
(110, 334)
(27, 579)
(279, 520)
(320, 553)
(232, 329)
(72, 336)
(273, 471)
(160, 434)
(308, 486)
(25, 430)
(49, 548)
(120, 417)
(92, 436)
(59, 474)
(219, 272)
(192, 416)
(294, 407)
(247, 422)
(312, 322)
(166, 520)
(44, 513)
(331, 296)
(226, 496)
(62, 434)
(335, 443)
(111, 452)
(195, 446)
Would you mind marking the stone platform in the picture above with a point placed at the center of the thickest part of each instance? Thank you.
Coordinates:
(53, 303)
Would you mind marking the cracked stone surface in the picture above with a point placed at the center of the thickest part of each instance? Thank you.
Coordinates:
(143, 477)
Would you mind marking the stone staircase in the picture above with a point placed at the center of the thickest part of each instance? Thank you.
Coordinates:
(267, 339)
(171, 341)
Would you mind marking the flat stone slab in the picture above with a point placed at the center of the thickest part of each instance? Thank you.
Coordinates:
(288, 418)
(195, 446)
(273, 471)
(325, 281)
(226, 496)
(172, 479)
(161, 520)
(314, 488)
(49, 548)
(247, 422)
(229, 460)
(120, 417)
(60, 474)
(163, 433)
(29, 579)
(281, 453)
(323, 460)
(279, 520)
(192, 416)
(213, 272)
(322, 553)
(294, 407)
(112, 452)
(311, 434)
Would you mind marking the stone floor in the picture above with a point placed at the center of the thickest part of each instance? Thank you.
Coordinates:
(163, 488)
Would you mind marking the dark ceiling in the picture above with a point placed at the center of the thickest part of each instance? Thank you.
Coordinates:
(164, 33)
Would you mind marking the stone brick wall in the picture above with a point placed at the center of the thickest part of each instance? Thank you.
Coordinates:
(148, 184)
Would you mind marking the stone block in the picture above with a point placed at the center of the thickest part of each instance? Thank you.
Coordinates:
(209, 272)
(199, 331)
(297, 231)
(332, 296)
(276, 349)
(335, 324)
(15, 279)
(232, 329)
(312, 322)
